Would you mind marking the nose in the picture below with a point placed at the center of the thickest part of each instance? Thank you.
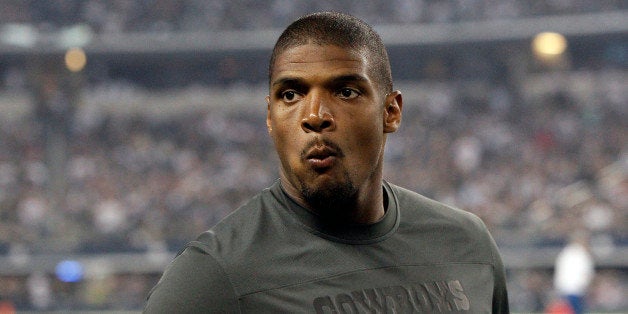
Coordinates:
(317, 116)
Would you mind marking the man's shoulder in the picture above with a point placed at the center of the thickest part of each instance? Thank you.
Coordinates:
(228, 249)
(242, 224)
(446, 227)
(419, 211)
(413, 203)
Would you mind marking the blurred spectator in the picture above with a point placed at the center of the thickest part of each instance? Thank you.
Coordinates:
(574, 272)
(39, 291)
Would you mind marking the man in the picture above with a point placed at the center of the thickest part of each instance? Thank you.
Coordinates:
(331, 236)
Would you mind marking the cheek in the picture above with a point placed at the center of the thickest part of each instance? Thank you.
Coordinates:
(368, 130)
(367, 143)
(286, 143)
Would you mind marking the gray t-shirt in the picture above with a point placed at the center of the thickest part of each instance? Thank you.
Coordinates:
(273, 256)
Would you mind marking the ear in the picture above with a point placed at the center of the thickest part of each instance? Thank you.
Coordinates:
(392, 111)
(268, 126)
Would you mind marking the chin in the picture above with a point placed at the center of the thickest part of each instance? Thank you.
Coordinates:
(329, 195)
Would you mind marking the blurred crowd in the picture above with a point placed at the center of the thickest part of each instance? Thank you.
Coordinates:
(112, 16)
(130, 182)
(535, 160)
(534, 168)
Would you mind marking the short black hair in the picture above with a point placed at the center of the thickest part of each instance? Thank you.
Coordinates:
(338, 29)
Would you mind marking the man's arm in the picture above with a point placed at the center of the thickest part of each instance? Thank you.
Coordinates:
(193, 283)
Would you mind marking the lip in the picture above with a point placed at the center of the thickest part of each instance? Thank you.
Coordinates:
(321, 157)
(322, 163)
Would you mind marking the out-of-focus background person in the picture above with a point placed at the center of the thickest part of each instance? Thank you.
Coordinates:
(573, 272)
(129, 127)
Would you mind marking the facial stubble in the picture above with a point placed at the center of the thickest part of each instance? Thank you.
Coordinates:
(334, 196)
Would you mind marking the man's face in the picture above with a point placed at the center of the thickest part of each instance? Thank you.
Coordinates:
(328, 120)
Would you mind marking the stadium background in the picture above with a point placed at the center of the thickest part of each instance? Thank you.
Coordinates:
(108, 167)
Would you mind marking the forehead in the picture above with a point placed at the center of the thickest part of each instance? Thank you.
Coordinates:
(314, 59)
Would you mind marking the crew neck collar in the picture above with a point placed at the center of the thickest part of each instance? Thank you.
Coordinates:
(346, 233)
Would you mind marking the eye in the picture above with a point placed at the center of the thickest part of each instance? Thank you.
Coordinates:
(290, 96)
(348, 93)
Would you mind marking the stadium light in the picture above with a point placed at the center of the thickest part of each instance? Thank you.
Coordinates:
(549, 44)
(75, 59)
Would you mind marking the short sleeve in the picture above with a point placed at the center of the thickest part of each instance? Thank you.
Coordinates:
(500, 292)
(193, 283)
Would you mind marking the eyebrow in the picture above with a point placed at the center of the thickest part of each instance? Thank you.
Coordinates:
(339, 79)
(287, 81)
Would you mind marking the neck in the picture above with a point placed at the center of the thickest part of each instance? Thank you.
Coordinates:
(358, 208)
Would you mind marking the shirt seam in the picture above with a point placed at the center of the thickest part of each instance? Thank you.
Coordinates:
(362, 270)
